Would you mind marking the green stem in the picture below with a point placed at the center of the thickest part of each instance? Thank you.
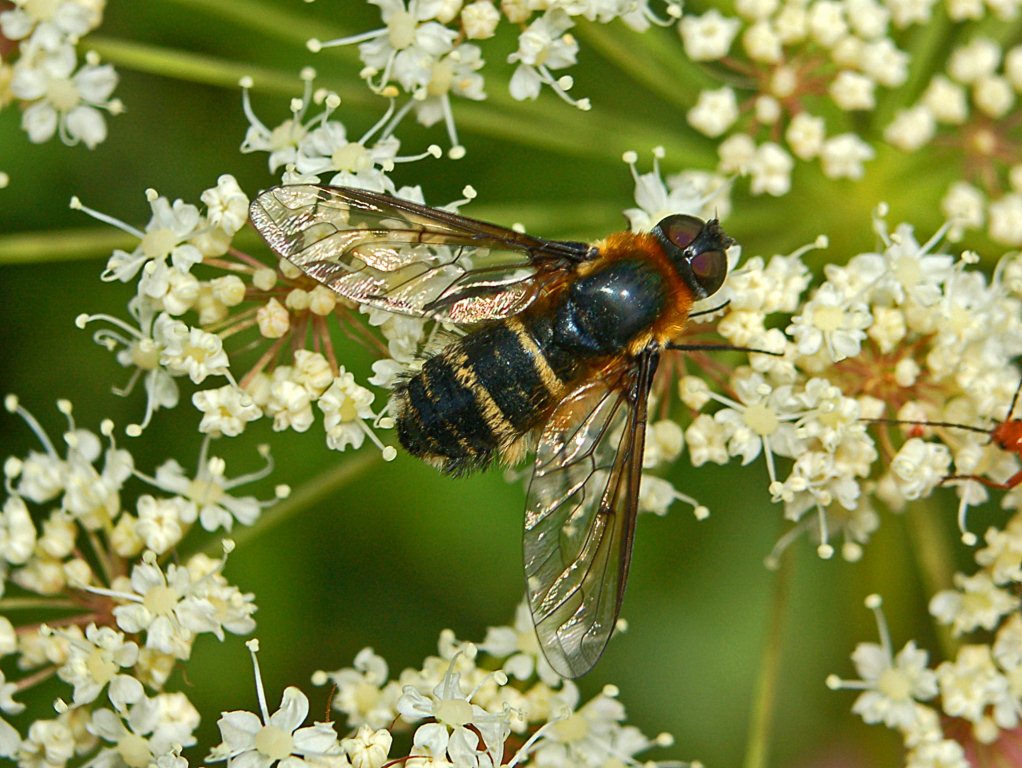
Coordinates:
(35, 603)
(79, 244)
(934, 557)
(199, 68)
(37, 677)
(641, 55)
(553, 133)
(62, 245)
(308, 495)
(269, 19)
(757, 747)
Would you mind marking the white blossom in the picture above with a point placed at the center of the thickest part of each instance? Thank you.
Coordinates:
(226, 410)
(151, 728)
(64, 99)
(709, 36)
(450, 735)
(96, 661)
(974, 603)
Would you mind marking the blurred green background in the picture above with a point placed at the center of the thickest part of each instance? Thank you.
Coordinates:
(401, 553)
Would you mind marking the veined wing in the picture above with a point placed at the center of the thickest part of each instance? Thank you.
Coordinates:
(580, 514)
(404, 257)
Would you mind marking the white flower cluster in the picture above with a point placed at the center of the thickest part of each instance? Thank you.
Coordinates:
(469, 704)
(42, 74)
(421, 52)
(906, 332)
(965, 710)
(798, 60)
(240, 295)
(78, 541)
(801, 59)
(973, 106)
(318, 148)
(800, 80)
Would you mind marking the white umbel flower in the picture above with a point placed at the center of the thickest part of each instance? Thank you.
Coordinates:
(714, 112)
(64, 100)
(830, 321)
(708, 37)
(976, 602)
(253, 742)
(463, 732)
(264, 740)
(226, 410)
(893, 686)
(96, 661)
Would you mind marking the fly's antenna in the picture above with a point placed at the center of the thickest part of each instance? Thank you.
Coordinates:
(719, 307)
(911, 423)
(1014, 401)
(721, 348)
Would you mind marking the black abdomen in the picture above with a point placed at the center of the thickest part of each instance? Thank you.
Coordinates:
(479, 396)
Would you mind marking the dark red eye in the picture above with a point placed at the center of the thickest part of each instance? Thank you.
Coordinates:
(681, 230)
(697, 249)
(709, 269)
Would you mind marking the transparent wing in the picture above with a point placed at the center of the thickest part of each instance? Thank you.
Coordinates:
(580, 514)
(404, 257)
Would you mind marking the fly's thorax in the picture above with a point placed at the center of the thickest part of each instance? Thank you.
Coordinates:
(604, 310)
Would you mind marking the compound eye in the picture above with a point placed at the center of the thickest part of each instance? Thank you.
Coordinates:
(699, 250)
(681, 229)
(709, 269)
